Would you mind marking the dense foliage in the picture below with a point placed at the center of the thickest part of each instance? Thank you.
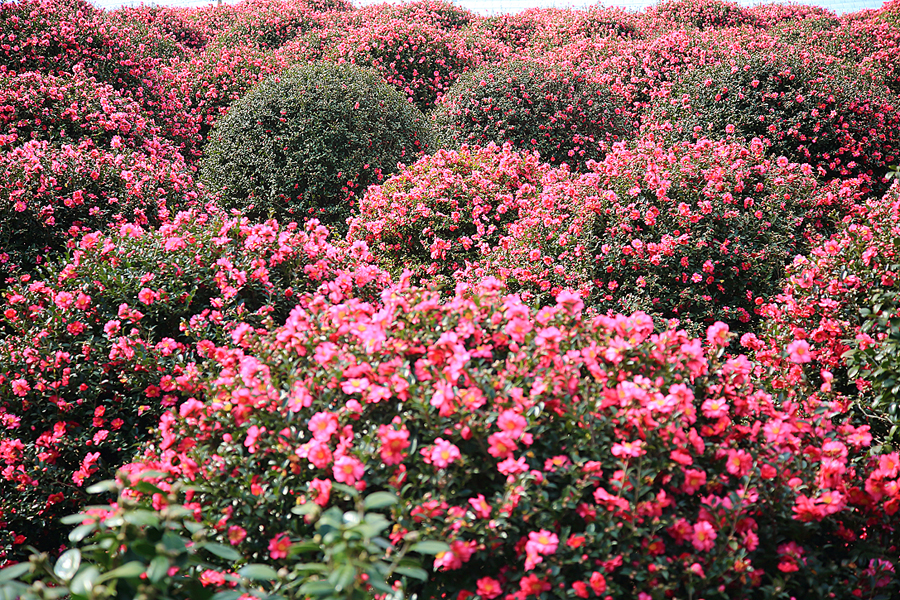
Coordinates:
(306, 143)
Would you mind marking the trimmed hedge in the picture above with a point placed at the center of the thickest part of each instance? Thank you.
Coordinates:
(305, 143)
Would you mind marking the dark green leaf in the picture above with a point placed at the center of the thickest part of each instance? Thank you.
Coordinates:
(317, 588)
(145, 487)
(221, 550)
(257, 572)
(159, 568)
(414, 572)
(343, 577)
(379, 500)
(81, 532)
(101, 487)
(430, 547)
(142, 518)
(15, 571)
(127, 571)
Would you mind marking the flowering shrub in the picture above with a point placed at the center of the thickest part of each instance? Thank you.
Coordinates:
(55, 36)
(839, 307)
(538, 30)
(704, 13)
(447, 212)
(305, 143)
(217, 77)
(436, 13)
(267, 23)
(51, 192)
(549, 451)
(164, 22)
(811, 112)
(69, 109)
(770, 15)
(97, 346)
(699, 232)
(119, 554)
(566, 116)
(418, 59)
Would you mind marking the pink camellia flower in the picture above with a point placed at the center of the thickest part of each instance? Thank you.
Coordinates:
(512, 423)
(704, 536)
(443, 454)
(488, 588)
(348, 470)
(540, 543)
(322, 487)
(480, 506)
(323, 425)
(798, 352)
(63, 300)
(717, 334)
(319, 454)
(628, 449)
(598, 582)
(501, 445)
(279, 546)
(236, 534)
(147, 296)
(20, 387)
(393, 443)
(713, 408)
(355, 385)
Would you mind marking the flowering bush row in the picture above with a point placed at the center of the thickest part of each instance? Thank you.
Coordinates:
(555, 454)
(697, 231)
(839, 311)
(811, 112)
(98, 345)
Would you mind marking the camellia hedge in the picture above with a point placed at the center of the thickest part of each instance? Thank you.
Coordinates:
(303, 300)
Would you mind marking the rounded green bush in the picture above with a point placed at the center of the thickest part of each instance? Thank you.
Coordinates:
(305, 143)
(566, 115)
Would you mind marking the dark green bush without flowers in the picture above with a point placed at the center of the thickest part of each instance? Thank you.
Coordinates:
(565, 115)
(304, 144)
(811, 111)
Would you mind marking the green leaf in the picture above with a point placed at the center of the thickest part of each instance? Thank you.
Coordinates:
(317, 588)
(257, 572)
(342, 577)
(142, 517)
(227, 595)
(68, 564)
(306, 509)
(145, 487)
(221, 550)
(12, 590)
(14, 572)
(302, 547)
(345, 489)
(379, 500)
(159, 568)
(430, 547)
(310, 568)
(81, 532)
(101, 487)
(84, 581)
(127, 571)
(414, 572)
